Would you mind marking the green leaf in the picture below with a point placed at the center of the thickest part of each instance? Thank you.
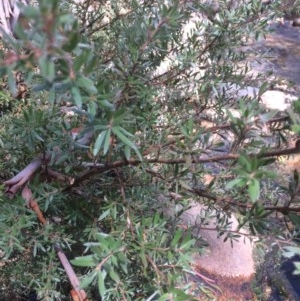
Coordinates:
(263, 88)
(296, 128)
(114, 276)
(106, 141)
(236, 182)
(267, 116)
(245, 163)
(51, 96)
(143, 259)
(11, 82)
(76, 96)
(291, 251)
(72, 42)
(47, 68)
(126, 133)
(295, 219)
(101, 284)
(104, 215)
(254, 190)
(124, 268)
(116, 130)
(127, 152)
(180, 295)
(84, 261)
(86, 84)
(105, 104)
(92, 109)
(37, 136)
(296, 105)
(297, 266)
(176, 238)
(99, 142)
(165, 297)
(87, 280)
(31, 12)
(186, 245)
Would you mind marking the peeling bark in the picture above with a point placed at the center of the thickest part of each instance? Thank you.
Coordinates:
(15, 183)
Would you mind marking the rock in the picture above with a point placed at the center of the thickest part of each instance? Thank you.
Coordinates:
(221, 258)
(277, 100)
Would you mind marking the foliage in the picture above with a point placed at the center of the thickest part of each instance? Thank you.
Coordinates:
(290, 252)
(157, 85)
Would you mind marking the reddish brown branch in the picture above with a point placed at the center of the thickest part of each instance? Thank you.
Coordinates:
(97, 169)
(57, 175)
(35, 207)
(77, 292)
(21, 178)
(32, 204)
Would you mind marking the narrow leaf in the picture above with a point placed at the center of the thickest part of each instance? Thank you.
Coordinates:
(122, 137)
(84, 261)
(99, 142)
(87, 280)
(236, 182)
(254, 190)
(87, 85)
(76, 96)
(114, 276)
(101, 285)
(107, 141)
(127, 152)
(104, 215)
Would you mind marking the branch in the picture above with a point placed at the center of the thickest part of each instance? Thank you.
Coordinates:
(12, 58)
(283, 210)
(71, 275)
(14, 184)
(77, 293)
(206, 194)
(32, 204)
(209, 129)
(57, 175)
(100, 168)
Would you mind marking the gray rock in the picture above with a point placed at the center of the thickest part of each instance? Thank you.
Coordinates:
(221, 258)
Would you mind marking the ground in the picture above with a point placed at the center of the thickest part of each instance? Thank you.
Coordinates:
(282, 57)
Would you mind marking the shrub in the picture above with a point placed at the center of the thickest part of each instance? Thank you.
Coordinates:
(130, 101)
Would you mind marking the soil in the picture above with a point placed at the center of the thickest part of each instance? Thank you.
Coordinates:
(281, 52)
(224, 288)
(282, 57)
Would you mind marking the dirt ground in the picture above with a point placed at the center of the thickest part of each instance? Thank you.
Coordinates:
(282, 57)
(282, 52)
